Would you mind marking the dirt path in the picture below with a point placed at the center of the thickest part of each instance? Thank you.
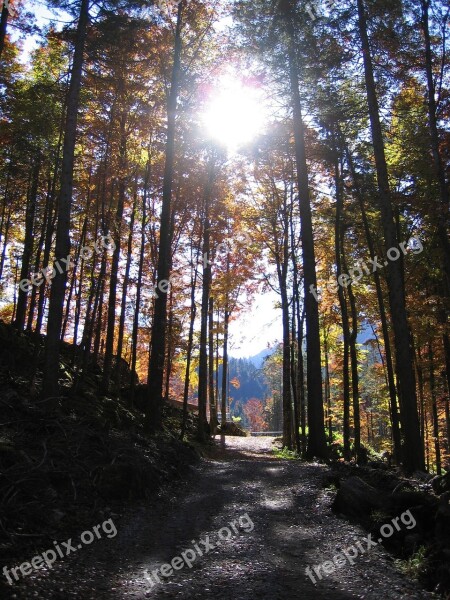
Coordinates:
(293, 527)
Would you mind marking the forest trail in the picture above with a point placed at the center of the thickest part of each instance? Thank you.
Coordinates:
(293, 528)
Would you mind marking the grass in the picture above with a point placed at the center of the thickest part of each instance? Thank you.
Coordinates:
(286, 454)
(413, 566)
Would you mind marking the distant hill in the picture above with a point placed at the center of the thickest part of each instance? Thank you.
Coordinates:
(258, 359)
(247, 380)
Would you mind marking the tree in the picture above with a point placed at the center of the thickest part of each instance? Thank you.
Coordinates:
(158, 339)
(412, 455)
(62, 244)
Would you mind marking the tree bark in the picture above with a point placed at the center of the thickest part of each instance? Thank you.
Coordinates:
(126, 279)
(338, 243)
(317, 445)
(153, 416)
(206, 286)
(113, 280)
(412, 456)
(395, 419)
(3, 26)
(432, 381)
(193, 313)
(212, 398)
(62, 245)
(137, 308)
(22, 300)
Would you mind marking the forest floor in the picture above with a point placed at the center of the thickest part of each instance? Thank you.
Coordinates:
(245, 483)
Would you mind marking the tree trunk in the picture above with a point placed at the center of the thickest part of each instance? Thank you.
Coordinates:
(206, 286)
(73, 277)
(317, 445)
(5, 238)
(37, 260)
(22, 300)
(296, 370)
(50, 387)
(338, 243)
(355, 377)
(212, 398)
(226, 319)
(412, 456)
(137, 308)
(396, 436)
(442, 212)
(169, 345)
(3, 25)
(111, 319)
(329, 419)
(437, 448)
(153, 416)
(193, 313)
(126, 279)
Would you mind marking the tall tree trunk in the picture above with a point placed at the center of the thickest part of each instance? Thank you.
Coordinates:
(37, 260)
(169, 345)
(412, 456)
(22, 300)
(338, 245)
(126, 279)
(226, 319)
(437, 448)
(329, 418)
(296, 369)
(206, 286)
(422, 406)
(287, 401)
(354, 369)
(447, 423)
(113, 280)
(317, 445)
(442, 212)
(73, 278)
(99, 303)
(50, 222)
(395, 419)
(282, 264)
(193, 313)
(3, 25)
(301, 376)
(153, 416)
(5, 238)
(212, 398)
(294, 382)
(137, 308)
(62, 245)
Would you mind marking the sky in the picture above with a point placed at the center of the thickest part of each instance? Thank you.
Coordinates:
(257, 328)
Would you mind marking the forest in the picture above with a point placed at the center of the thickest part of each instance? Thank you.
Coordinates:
(120, 177)
(165, 164)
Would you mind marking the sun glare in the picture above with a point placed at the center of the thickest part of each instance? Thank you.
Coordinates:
(235, 113)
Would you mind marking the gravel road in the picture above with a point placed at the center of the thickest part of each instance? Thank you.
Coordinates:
(266, 520)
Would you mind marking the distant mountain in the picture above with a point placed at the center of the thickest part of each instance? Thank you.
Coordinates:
(258, 359)
(246, 379)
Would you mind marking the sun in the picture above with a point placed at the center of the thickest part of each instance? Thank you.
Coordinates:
(235, 113)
